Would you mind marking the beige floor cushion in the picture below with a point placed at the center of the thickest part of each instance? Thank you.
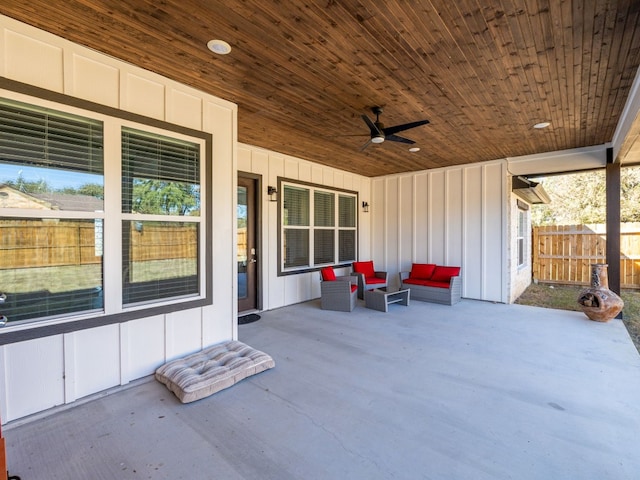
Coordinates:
(213, 369)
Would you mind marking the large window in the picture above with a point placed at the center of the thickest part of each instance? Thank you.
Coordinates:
(318, 227)
(98, 215)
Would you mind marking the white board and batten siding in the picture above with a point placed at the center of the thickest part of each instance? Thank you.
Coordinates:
(452, 216)
(279, 291)
(38, 374)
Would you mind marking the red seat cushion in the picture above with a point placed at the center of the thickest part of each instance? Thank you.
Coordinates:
(374, 280)
(426, 283)
(328, 274)
(364, 267)
(444, 274)
(354, 287)
(422, 270)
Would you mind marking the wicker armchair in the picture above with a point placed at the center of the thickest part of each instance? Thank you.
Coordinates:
(368, 278)
(337, 293)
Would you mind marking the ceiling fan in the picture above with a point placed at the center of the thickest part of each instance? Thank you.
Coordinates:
(379, 133)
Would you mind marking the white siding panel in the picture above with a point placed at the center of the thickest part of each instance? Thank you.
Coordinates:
(377, 210)
(338, 179)
(185, 109)
(347, 182)
(291, 168)
(143, 96)
(213, 329)
(328, 177)
(275, 286)
(421, 215)
(34, 372)
(145, 346)
(220, 119)
(406, 230)
(304, 172)
(495, 233)
(391, 251)
(244, 159)
(437, 218)
(96, 359)
(184, 333)
(316, 174)
(453, 244)
(260, 166)
(45, 66)
(94, 81)
(472, 281)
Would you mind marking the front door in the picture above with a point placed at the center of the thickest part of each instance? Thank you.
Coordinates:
(247, 244)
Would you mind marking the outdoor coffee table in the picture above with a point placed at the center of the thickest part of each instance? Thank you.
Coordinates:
(381, 299)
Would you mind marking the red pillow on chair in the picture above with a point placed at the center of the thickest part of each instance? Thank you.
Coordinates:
(422, 271)
(328, 274)
(364, 267)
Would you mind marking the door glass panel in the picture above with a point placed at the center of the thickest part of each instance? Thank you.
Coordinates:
(242, 254)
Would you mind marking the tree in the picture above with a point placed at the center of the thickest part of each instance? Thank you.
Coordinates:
(160, 197)
(580, 198)
(25, 186)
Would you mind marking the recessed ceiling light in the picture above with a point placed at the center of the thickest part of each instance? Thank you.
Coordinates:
(414, 149)
(542, 125)
(219, 46)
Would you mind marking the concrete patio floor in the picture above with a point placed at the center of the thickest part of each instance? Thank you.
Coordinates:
(474, 391)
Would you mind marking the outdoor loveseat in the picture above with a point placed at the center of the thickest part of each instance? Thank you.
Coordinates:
(433, 283)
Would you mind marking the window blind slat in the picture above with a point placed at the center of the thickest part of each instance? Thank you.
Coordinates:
(38, 136)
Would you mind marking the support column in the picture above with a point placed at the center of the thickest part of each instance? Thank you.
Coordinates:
(613, 222)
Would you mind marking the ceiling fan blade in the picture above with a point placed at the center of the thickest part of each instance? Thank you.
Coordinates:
(404, 126)
(396, 138)
(365, 145)
(372, 126)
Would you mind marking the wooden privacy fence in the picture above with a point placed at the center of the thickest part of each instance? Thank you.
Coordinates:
(36, 243)
(564, 253)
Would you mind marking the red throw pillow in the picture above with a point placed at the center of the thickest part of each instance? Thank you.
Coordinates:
(328, 274)
(364, 267)
(422, 270)
(444, 274)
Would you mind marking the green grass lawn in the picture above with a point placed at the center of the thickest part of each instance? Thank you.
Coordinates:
(565, 297)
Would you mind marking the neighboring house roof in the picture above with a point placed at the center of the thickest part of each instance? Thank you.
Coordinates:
(64, 201)
(14, 198)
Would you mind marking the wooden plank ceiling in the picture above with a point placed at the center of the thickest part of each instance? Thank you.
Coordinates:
(303, 72)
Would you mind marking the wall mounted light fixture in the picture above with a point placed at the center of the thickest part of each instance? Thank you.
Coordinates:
(273, 193)
(365, 207)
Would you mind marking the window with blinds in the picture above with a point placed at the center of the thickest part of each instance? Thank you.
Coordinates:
(318, 227)
(160, 176)
(55, 235)
(51, 174)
